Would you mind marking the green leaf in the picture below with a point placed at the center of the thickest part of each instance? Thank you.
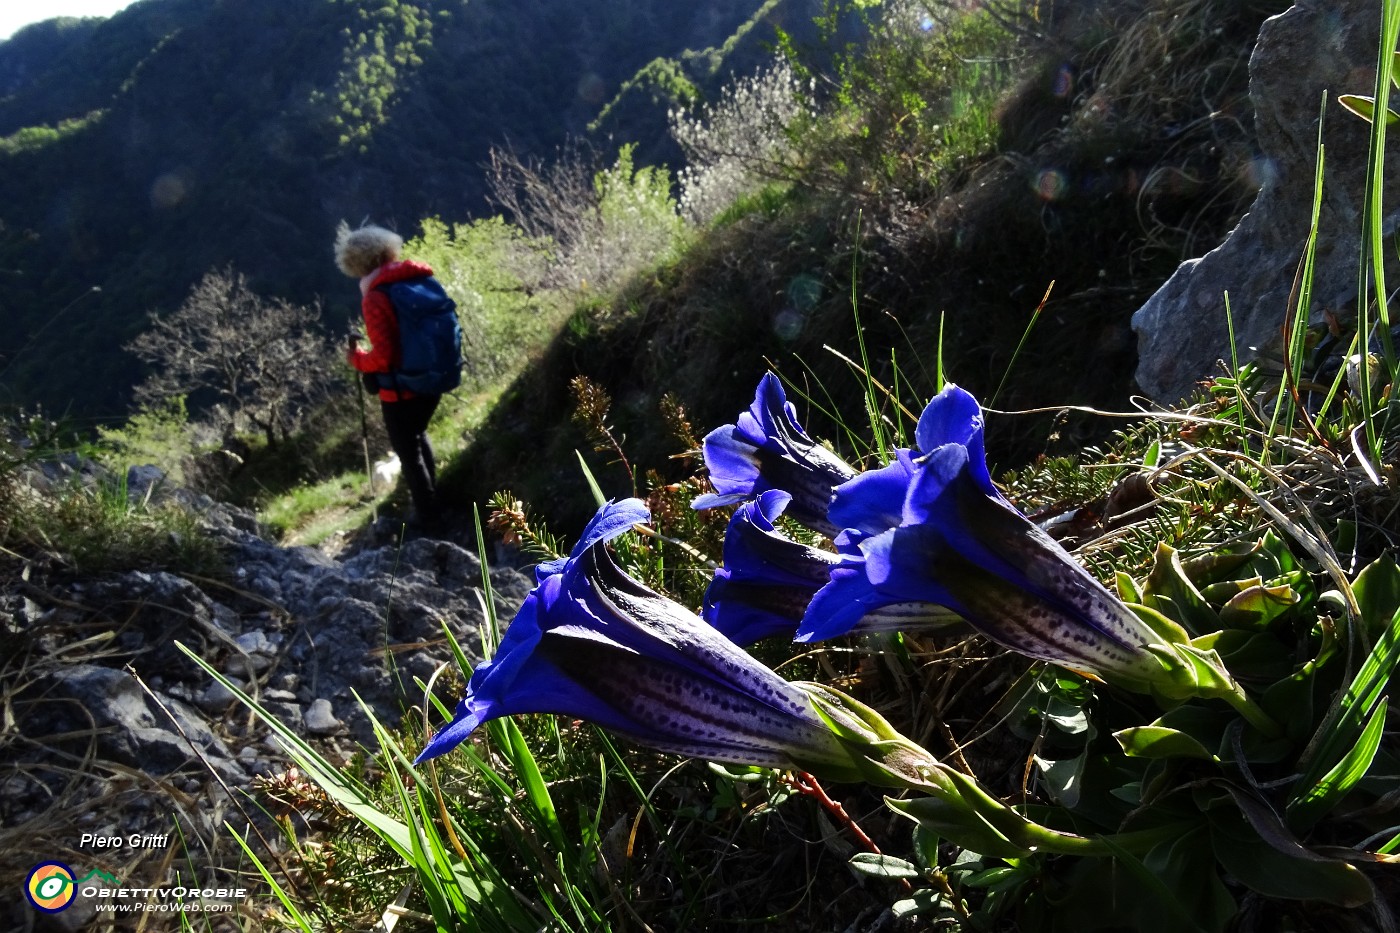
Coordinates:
(1343, 725)
(1217, 565)
(1365, 108)
(924, 903)
(1169, 591)
(883, 866)
(1256, 606)
(1161, 742)
(1316, 801)
(1251, 655)
(1185, 867)
(926, 847)
(1254, 846)
(509, 737)
(1064, 777)
(1377, 591)
(992, 877)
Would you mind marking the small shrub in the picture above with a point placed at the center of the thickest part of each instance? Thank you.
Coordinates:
(739, 143)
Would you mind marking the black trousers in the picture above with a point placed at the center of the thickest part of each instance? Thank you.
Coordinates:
(406, 422)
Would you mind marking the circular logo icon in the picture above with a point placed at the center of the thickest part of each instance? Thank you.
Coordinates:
(50, 887)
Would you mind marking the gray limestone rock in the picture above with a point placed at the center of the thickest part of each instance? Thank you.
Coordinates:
(1327, 47)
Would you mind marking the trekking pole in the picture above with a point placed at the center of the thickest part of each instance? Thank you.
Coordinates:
(353, 341)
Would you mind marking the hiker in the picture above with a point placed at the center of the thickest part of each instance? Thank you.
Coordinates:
(414, 354)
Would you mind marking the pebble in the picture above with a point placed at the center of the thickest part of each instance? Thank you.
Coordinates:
(320, 719)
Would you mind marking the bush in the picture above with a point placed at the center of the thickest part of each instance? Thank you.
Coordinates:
(739, 143)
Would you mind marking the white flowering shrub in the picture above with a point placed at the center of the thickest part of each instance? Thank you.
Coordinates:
(596, 225)
(738, 143)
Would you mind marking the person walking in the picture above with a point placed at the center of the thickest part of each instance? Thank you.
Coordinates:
(371, 254)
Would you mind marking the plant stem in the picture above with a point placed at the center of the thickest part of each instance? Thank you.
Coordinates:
(1254, 714)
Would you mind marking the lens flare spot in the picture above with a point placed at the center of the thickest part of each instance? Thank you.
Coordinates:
(1063, 83)
(803, 292)
(1051, 184)
(169, 190)
(788, 324)
(591, 88)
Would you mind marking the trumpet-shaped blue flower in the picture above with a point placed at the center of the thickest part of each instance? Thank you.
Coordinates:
(592, 643)
(768, 580)
(767, 449)
(956, 542)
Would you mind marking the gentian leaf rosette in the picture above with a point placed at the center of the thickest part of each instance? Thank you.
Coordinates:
(767, 449)
(959, 544)
(768, 580)
(592, 643)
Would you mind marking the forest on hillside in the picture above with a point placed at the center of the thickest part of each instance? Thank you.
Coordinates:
(140, 152)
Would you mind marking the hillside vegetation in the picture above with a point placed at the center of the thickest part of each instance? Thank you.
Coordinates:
(140, 152)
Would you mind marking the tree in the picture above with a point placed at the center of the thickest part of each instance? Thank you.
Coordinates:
(262, 360)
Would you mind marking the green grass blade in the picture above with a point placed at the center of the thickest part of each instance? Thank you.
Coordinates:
(598, 498)
(297, 916)
(508, 735)
(1020, 345)
(1354, 714)
(488, 600)
(344, 790)
(1311, 806)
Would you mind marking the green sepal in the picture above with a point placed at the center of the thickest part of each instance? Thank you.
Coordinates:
(1163, 627)
(879, 754)
(958, 825)
(1196, 672)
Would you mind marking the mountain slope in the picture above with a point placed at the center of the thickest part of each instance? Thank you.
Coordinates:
(138, 152)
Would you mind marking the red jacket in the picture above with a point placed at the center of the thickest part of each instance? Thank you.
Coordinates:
(382, 325)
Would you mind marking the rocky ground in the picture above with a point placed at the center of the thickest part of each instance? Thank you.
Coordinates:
(111, 730)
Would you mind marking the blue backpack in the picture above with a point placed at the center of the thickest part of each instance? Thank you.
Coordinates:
(430, 339)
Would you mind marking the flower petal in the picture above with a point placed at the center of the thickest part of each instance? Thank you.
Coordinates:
(767, 449)
(953, 416)
(873, 501)
(613, 519)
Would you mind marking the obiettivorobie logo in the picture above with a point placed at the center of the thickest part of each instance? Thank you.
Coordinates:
(51, 886)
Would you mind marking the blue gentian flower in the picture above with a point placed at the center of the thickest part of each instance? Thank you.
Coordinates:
(767, 449)
(768, 580)
(592, 643)
(957, 543)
